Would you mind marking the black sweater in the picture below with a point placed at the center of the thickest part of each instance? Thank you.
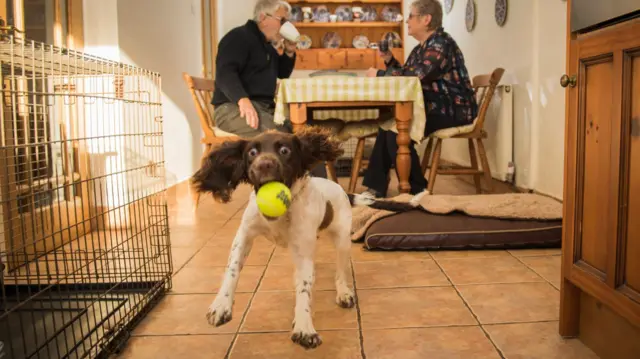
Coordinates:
(248, 65)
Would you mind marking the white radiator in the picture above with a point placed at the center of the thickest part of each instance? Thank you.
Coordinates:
(499, 144)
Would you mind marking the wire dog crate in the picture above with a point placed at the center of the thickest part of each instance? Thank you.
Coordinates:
(84, 237)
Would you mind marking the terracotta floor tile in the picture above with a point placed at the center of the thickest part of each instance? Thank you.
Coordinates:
(546, 266)
(176, 346)
(206, 219)
(483, 253)
(325, 253)
(181, 256)
(509, 303)
(281, 277)
(208, 280)
(536, 252)
(186, 314)
(274, 311)
(218, 255)
(335, 345)
(488, 270)
(432, 343)
(185, 236)
(397, 273)
(412, 307)
(536, 341)
(360, 254)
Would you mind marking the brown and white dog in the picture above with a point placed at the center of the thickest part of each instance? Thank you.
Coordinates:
(319, 207)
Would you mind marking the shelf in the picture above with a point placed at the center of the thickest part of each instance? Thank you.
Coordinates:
(342, 58)
(351, 49)
(347, 24)
(344, 2)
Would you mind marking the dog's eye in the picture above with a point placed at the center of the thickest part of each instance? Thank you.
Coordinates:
(284, 150)
(253, 152)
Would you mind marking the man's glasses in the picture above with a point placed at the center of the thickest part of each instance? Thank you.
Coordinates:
(281, 19)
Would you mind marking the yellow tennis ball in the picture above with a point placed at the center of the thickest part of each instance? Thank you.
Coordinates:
(274, 199)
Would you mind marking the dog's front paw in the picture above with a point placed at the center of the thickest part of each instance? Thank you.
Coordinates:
(306, 340)
(346, 299)
(219, 313)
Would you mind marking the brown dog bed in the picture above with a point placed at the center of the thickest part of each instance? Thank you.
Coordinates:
(422, 230)
(463, 222)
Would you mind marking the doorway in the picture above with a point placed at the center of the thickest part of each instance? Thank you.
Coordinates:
(54, 22)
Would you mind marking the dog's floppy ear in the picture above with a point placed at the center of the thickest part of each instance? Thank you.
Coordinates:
(318, 144)
(222, 170)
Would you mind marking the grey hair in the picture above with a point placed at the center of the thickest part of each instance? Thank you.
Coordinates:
(430, 7)
(269, 7)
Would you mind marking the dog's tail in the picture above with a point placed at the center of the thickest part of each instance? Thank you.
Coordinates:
(368, 200)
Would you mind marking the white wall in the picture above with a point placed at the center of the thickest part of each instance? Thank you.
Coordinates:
(533, 56)
(166, 36)
(163, 36)
(233, 13)
(101, 28)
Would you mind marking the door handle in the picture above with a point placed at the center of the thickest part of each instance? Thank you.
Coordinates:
(568, 81)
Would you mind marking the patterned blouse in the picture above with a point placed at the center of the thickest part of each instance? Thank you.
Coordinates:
(446, 86)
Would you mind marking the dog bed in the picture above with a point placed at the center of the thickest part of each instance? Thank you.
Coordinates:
(462, 222)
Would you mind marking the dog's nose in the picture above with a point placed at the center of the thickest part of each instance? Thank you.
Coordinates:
(266, 166)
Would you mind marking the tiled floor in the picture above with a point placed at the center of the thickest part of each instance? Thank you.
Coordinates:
(475, 304)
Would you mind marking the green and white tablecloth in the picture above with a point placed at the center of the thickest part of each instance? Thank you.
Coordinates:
(344, 88)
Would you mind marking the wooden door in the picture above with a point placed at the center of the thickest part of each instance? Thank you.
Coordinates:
(601, 247)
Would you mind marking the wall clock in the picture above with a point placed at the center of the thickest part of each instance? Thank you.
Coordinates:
(501, 12)
(448, 5)
(470, 15)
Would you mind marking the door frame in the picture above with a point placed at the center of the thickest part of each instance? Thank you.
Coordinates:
(209, 11)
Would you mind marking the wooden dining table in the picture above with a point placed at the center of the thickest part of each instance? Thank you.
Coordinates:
(358, 99)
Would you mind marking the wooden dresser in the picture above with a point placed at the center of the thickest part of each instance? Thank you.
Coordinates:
(600, 294)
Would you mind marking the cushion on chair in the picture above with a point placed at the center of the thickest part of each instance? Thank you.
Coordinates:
(454, 131)
(358, 129)
(220, 133)
(417, 229)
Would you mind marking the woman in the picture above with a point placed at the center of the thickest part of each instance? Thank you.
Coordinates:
(448, 95)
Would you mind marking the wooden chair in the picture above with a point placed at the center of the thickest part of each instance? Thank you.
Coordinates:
(201, 90)
(358, 161)
(485, 85)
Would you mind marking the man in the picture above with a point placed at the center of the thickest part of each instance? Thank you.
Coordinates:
(247, 69)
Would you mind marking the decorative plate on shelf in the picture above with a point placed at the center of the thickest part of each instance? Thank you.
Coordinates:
(390, 13)
(296, 14)
(448, 5)
(360, 42)
(501, 12)
(331, 40)
(321, 14)
(304, 42)
(343, 12)
(369, 13)
(470, 15)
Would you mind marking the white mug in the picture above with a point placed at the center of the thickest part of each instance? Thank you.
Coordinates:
(289, 32)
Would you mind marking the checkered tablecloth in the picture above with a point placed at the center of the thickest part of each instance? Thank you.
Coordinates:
(343, 88)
